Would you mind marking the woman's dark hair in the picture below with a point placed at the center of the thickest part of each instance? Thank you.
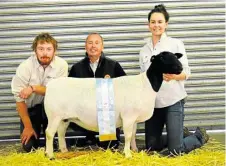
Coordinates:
(159, 9)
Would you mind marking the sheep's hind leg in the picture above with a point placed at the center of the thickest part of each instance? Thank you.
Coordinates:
(133, 140)
(50, 132)
(61, 135)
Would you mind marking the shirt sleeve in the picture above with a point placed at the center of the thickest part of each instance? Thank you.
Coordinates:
(184, 60)
(20, 81)
(63, 72)
(119, 70)
(72, 72)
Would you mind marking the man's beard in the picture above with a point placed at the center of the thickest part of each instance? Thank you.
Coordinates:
(45, 63)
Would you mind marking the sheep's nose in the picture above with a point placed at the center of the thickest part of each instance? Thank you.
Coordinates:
(180, 69)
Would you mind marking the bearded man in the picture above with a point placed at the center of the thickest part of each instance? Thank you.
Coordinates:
(29, 86)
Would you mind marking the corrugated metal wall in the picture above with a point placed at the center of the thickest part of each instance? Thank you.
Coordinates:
(123, 25)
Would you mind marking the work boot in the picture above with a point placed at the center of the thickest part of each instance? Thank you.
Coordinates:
(201, 134)
(82, 142)
(186, 132)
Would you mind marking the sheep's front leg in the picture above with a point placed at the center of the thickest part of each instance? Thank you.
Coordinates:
(133, 141)
(61, 136)
(50, 132)
(127, 129)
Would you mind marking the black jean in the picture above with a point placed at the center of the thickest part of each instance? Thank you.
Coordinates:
(90, 136)
(39, 123)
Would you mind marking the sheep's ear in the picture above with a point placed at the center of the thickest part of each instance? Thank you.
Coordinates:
(178, 55)
(152, 58)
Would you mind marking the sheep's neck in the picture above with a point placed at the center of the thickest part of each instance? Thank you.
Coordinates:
(155, 78)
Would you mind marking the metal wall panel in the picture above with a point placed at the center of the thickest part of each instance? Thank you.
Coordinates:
(123, 25)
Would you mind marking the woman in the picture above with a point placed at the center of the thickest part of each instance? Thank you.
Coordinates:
(169, 106)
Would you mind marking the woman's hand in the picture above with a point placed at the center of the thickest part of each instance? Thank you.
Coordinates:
(169, 77)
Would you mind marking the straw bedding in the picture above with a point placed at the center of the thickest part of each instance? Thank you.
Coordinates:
(212, 154)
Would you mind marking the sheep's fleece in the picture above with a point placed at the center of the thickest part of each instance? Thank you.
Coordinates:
(74, 100)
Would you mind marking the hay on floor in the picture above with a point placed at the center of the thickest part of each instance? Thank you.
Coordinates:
(212, 154)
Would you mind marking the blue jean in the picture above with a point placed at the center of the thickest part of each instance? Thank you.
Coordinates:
(173, 117)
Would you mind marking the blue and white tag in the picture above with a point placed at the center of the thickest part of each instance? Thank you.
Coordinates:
(105, 109)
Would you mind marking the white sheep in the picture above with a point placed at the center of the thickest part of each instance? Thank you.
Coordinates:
(74, 100)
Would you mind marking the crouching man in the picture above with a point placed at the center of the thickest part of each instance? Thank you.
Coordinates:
(28, 87)
(96, 64)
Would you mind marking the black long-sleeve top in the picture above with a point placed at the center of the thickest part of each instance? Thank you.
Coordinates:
(106, 67)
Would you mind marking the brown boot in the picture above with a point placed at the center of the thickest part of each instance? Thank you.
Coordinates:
(186, 132)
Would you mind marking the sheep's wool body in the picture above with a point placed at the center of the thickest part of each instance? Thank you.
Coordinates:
(134, 98)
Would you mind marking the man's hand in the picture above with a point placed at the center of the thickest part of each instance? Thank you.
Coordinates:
(27, 134)
(26, 92)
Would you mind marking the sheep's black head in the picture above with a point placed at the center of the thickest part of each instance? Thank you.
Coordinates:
(167, 62)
